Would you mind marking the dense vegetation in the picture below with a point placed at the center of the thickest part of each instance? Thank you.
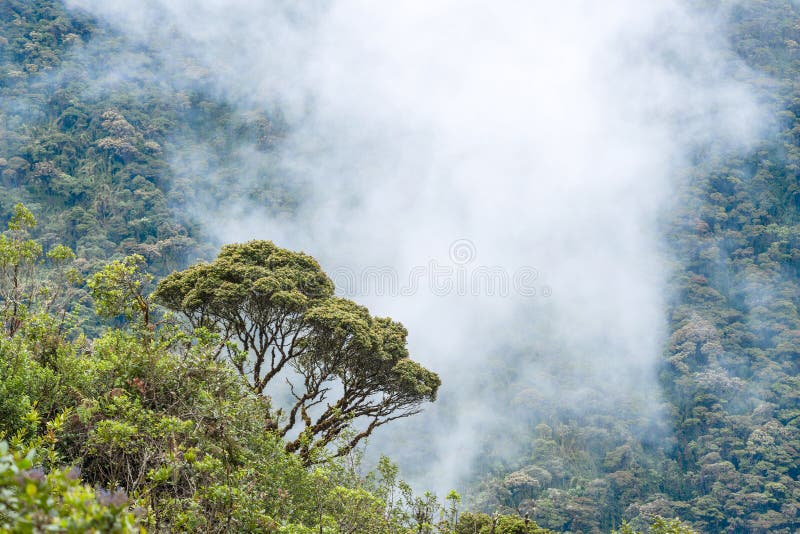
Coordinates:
(175, 436)
(116, 414)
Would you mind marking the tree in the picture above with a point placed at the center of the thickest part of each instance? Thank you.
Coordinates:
(276, 312)
(119, 288)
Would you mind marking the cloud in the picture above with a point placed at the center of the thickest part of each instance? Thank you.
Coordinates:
(549, 135)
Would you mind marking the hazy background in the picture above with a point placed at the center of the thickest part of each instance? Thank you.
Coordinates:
(526, 137)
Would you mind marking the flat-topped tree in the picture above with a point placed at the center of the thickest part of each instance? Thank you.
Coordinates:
(254, 294)
(275, 308)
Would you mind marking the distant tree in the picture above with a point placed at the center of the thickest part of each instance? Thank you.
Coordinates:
(275, 311)
(659, 525)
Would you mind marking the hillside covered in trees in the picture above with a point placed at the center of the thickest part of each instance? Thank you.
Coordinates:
(136, 384)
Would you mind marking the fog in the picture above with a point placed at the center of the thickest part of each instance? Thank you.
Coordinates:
(449, 149)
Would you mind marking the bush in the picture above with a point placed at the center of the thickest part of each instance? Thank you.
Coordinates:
(32, 500)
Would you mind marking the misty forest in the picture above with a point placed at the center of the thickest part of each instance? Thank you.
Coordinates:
(441, 267)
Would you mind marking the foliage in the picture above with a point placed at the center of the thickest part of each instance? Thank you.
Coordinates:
(33, 500)
(120, 288)
(274, 310)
